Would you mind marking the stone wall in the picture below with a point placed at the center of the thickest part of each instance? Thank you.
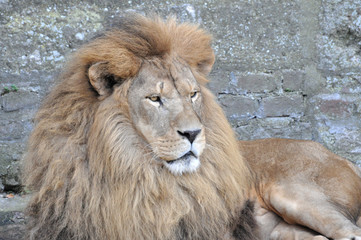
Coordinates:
(284, 68)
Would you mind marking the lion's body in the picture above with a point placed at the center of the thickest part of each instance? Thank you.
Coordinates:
(93, 175)
(130, 144)
(305, 184)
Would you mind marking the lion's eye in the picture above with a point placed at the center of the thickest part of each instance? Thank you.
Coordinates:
(193, 94)
(154, 98)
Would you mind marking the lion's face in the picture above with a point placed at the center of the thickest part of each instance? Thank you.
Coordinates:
(165, 107)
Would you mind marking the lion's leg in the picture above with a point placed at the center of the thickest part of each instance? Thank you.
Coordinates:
(285, 231)
(272, 227)
(308, 206)
(266, 221)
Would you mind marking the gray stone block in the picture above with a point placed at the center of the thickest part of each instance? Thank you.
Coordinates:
(283, 106)
(293, 80)
(342, 136)
(15, 101)
(10, 156)
(335, 106)
(237, 107)
(257, 83)
(339, 42)
(279, 127)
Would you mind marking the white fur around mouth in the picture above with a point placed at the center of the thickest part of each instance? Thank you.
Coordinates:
(187, 163)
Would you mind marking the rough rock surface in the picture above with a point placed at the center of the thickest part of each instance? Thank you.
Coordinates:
(11, 216)
(284, 68)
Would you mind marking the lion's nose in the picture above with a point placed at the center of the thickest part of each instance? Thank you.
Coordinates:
(190, 135)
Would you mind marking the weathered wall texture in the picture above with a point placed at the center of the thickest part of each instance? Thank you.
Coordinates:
(284, 68)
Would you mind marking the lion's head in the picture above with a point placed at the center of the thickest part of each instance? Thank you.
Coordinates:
(165, 106)
(131, 144)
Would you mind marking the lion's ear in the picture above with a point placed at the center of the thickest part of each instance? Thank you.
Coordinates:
(101, 79)
(205, 66)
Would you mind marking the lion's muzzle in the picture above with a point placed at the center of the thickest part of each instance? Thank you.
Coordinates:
(188, 161)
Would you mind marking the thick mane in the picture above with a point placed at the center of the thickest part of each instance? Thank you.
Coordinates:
(93, 175)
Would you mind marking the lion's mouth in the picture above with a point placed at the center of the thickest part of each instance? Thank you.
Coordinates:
(184, 157)
(189, 162)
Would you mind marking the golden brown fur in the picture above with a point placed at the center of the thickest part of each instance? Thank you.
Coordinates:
(94, 176)
(304, 184)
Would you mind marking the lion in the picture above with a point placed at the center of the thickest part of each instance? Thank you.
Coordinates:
(130, 144)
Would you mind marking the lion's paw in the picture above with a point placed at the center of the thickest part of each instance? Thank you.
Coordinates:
(319, 237)
(356, 238)
(350, 238)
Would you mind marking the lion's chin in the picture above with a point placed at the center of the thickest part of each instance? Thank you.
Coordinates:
(186, 164)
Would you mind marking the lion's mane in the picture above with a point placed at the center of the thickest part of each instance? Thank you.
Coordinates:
(92, 176)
